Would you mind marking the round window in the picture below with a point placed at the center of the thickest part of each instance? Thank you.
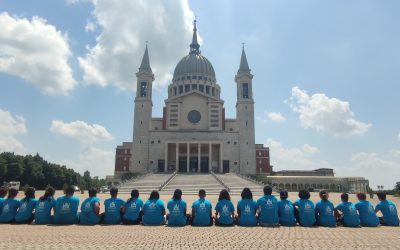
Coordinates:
(194, 116)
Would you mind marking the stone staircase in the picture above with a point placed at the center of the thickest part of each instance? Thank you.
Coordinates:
(146, 184)
(191, 183)
(237, 183)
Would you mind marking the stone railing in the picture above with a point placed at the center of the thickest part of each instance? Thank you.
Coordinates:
(134, 179)
(167, 181)
(220, 181)
(246, 177)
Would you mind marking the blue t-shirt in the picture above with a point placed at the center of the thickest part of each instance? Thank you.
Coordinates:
(66, 211)
(88, 215)
(112, 208)
(1, 203)
(324, 213)
(132, 209)
(268, 210)
(248, 209)
(350, 215)
(202, 210)
(152, 212)
(43, 210)
(25, 210)
(389, 212)
(286, 213)
(306, 212)
(368, 217)
(225, 209)
(9, 210)
(176, 210)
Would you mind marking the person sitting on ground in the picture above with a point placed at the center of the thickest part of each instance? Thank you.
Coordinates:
(346, 212)
(10, 206)
(66, 210)
(44, 206)
(304, 209)
(268, 209)
(113, 208)
(177, 210)
(324, 210)
(286, 210)
(153, 210)
(27, 205)
(202, 211)
(133, 209)
(90, 209)
(247, 209)
(224, 210)
(3, 193)
(366, 210)
(388, 210)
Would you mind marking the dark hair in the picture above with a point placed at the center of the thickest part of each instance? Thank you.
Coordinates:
(267, 190)
(224, 195)
(344, 197)
(29, 194)
(48, 193)
(114, 191)
(12, 192)
(304, 194)
(134, 194)
(323, 194)
(361, 196)
(92, 192)
(154, 195)
(202, 193)
(177, 194)
(283, 194)
(3, 192)
(381, 196)
(247, 194)
(70, 190)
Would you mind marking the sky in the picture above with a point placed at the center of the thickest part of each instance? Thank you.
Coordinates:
(326, 76)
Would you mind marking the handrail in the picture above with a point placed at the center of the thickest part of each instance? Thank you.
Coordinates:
(167, 181)
(257, 182)
(220, 181)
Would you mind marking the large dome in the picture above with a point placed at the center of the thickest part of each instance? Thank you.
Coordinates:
(194, 64)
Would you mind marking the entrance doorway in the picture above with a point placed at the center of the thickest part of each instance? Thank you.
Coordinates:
(161, 164)
(204, 165)
(225, 166)
(182, 164)
(193, 166)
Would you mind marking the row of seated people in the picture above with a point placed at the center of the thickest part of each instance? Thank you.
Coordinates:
(266, 211)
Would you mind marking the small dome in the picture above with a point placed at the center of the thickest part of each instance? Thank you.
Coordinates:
(194, 64)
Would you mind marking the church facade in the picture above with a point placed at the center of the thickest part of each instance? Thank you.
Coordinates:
(193, 135)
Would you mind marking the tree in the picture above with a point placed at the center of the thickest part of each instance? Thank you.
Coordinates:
(397, 187)
(86, 180)
(14, 171)
(3, 170)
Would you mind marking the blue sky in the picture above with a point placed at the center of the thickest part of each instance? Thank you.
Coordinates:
(326, 76)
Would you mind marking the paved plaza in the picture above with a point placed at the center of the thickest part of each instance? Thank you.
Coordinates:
(164, 237)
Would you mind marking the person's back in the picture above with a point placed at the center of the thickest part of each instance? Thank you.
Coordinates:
(90, 209)
(201, 211)
(177, 216)
(3, 193)
(153, 210)
(388, 210)
(44, 206)
(66, 210)
(366, 210)
(324, 211)
(349, 216)
(112, 206)
(26, 207)
(224, 210)
(286, 211)
(10, 206)
(268, 208)
(306, 209)
(248, 210)
(133, 209)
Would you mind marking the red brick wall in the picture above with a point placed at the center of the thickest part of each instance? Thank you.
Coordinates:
(122, 159)
(263, 161)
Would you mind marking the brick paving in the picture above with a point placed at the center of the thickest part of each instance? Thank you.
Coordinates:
(164, 237)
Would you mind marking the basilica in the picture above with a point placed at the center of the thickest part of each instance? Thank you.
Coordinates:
(193, 135)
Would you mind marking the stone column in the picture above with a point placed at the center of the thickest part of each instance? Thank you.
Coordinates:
(166, 157)
(187, 156)
(220, 158)
(209, 157)
(198, 157)
(176, 156)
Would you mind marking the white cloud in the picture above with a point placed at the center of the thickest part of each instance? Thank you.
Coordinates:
(329, 116)
(90, 26)
(125, 26)
(398, 136)
(37, 52)
(10, 127)
(81, 131)
(300, 158)
(99, 162)
(276, 117)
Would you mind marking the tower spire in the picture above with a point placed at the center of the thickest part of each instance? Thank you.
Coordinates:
(244, 66)
(194, 46)
(145, 65)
